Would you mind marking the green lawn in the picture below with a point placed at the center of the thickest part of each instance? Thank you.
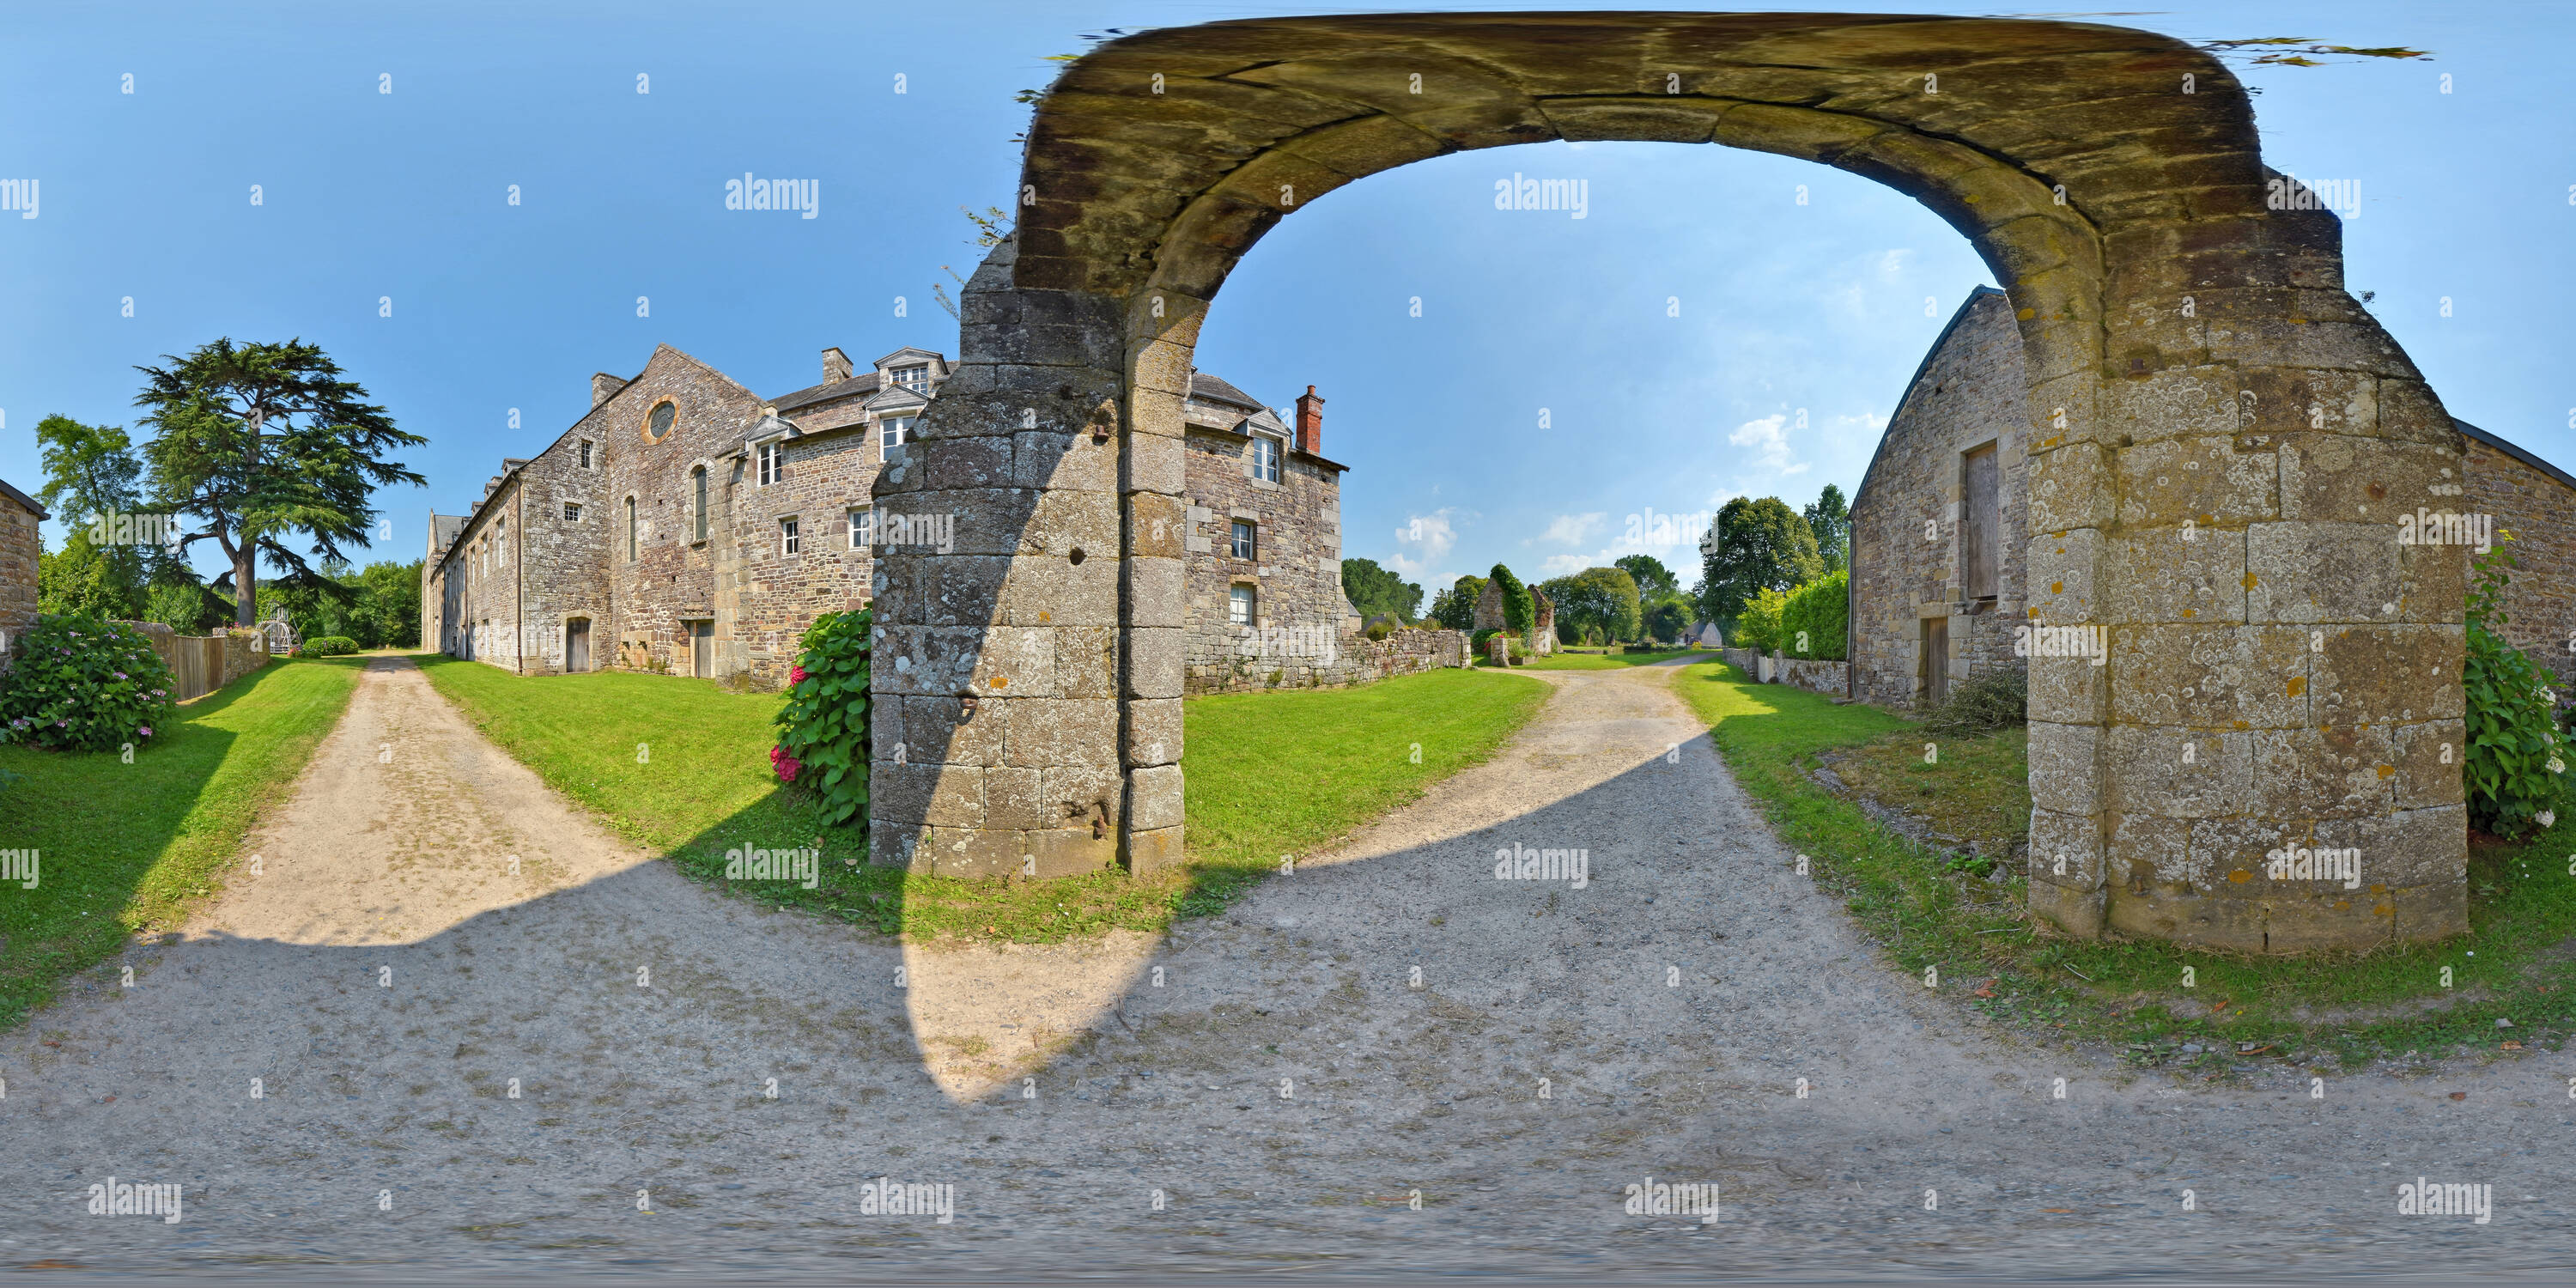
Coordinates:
(1599, 661)
(129, 849)
(1253, 764)
(1928, 910)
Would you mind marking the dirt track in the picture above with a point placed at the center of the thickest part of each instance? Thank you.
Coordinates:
(1670, 1005)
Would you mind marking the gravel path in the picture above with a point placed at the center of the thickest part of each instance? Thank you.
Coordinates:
(1280, 1075)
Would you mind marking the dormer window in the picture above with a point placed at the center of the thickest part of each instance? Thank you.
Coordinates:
(914, 378)
(1265, 459)
(893, 432)
(773, 459)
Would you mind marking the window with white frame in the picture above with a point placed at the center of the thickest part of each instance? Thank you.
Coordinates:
(1243, 539)
(585, 453)
(915, 378)
(1242, 606)
(788, 542)
(572, 511)
(773, 460)
(893, 432)
(1265, 459)
(859, 529)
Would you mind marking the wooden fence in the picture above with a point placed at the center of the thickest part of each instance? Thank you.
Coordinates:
(204, 664)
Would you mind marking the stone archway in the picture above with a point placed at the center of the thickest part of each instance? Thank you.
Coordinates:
(2223, 430)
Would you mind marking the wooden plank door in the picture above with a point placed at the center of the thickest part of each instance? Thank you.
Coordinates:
(702, 649)
(577, 645)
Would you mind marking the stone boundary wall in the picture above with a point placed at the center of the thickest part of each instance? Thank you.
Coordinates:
(2540, 511)
(1745, 660)
(1356, 660)
(1813, 675)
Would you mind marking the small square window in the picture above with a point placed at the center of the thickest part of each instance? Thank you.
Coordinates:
(1243, 547)
(1240, 605)
(572, 511)
(787, 539)
(1265, 459)
(772, 460)
(893, 432)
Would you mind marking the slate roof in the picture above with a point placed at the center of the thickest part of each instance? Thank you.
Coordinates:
(2515, 452)
(1203, 385)
(863, 383)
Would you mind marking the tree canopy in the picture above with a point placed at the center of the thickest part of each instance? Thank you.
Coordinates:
(1655, 582)
(1455, 607)
(1374, 590)
(262, 441)
(1759, 545)
(1596, 599)
(1830, 519)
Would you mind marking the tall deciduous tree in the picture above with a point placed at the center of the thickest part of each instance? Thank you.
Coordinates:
(1374, 590)
(1655, 582)
(90, 473)
(263, 441)
(1600, 598)
(1759, 545)
(1830, 519)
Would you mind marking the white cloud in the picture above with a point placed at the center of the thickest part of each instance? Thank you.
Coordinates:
(1572, 529)
(1893, 262)
(1768, 441)
(1567, 565)
(1423, 541)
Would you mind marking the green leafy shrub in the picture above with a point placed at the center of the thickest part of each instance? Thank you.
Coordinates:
(823, 740)
(1821, 611)
(1520, 608)
(1758, 626)
(2515, 753)
(1982, 703)
(1383, 625)
(327, 646)
(77, 683)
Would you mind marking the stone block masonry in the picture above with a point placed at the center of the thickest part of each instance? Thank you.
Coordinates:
(2163, 312)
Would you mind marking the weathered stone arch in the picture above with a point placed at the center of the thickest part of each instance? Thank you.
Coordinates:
(2218, 421)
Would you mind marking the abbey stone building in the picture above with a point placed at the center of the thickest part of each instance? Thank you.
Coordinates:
(687, 525)
(1939, 525)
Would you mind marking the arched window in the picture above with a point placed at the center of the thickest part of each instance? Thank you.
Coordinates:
(698, 481)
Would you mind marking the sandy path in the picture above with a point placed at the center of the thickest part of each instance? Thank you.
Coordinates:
(1287, 1086)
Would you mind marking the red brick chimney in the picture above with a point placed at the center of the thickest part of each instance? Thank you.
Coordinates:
(1310, 423)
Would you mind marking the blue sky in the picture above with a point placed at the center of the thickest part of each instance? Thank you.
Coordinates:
(1798, 324)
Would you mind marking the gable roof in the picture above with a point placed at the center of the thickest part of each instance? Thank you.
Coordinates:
(909, 351)
(2515, 452)
(1967, 307)
(24, 499)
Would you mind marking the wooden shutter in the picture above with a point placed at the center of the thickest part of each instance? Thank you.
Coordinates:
(1980, 537)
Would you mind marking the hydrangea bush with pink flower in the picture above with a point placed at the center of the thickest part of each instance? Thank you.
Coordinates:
(823, 739)
(73, 682)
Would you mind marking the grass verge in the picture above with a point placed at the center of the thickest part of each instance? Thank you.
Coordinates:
(1258, 765)
(1930, 911)
(127, 849)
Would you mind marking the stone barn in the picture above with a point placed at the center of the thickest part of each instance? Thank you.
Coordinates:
(1937, 581)
(19, 544)
(687, 525)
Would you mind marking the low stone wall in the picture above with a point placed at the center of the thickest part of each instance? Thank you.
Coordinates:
(1814, 676)
(1743, 659)
(1294, 662)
